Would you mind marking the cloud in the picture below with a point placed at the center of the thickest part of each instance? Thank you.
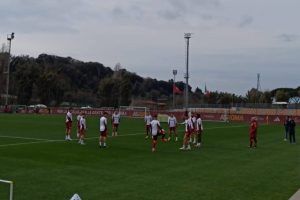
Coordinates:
(288, 37)
(170, 14)
(178, 9)
(30, 16)
(118, 12)
(148, 35)
(131, 12)
(210, 3)
(245, 21)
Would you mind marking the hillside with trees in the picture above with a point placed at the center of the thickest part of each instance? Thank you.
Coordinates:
(56, 81)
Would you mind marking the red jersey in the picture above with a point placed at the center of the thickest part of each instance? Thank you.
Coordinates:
(253, 127)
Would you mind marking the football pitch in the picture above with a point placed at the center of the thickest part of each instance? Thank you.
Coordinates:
(34, 155)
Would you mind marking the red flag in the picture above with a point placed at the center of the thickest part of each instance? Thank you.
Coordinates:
(176, 90)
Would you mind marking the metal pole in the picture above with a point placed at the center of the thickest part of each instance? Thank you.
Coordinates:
(174, 73)
(11, 188)
(9, 38)
(187, 36)
(174, 93)
(11, 191)
(187, 75)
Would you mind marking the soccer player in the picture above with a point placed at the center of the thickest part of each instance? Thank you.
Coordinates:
(194, 132)
(172, 122)
(147, 119)
(82, 126)
(199, 130)
(156, 131)
(286, 127)
(292, 125)
(68, 124)
(187, 134)
(103, 130)
(115, 119)
(78, 124)
(253, 133)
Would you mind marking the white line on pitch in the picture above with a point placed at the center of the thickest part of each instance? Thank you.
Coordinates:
(24, 143)
(90, 138)
(25, 138)
(240, 126)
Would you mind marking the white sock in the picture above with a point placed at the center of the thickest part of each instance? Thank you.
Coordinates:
(104, 144)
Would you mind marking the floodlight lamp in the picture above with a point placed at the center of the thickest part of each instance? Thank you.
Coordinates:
(174, 72)
(187, 35)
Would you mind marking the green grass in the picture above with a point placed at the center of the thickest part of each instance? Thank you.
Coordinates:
(224, 168)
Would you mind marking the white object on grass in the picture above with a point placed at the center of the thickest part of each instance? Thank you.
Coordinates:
(11, 188)
(75, 197)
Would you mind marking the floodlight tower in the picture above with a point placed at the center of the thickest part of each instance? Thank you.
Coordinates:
(258, 82)
(258, 88)
(174, 74)
(187, 37)
(10, 37)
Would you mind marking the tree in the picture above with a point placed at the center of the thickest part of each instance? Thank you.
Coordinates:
(281, 95)
(266, 97)
(253, 96)
(225, 98)
(51, 88)
(117, 67)
(104, 92)
(23, 79)
(125, 91)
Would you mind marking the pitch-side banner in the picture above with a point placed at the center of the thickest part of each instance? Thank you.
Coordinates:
(271, 119)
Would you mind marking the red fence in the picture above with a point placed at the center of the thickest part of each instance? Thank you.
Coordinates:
(272, 119)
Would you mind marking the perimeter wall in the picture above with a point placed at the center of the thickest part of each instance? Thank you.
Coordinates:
(268, 116)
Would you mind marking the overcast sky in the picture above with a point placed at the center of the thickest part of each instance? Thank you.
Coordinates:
(232, 40)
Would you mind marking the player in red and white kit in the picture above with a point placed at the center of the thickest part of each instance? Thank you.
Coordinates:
(78, 123)
(156, 131)
(147, 119)
(253, 133)
(172, 123)
(82, 128)
(103, 130)
(189, 127)
(115, 119)
(194, 131)
(199, 130)
(68, 123)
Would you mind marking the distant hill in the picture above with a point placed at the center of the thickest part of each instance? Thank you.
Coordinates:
(53, 80)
